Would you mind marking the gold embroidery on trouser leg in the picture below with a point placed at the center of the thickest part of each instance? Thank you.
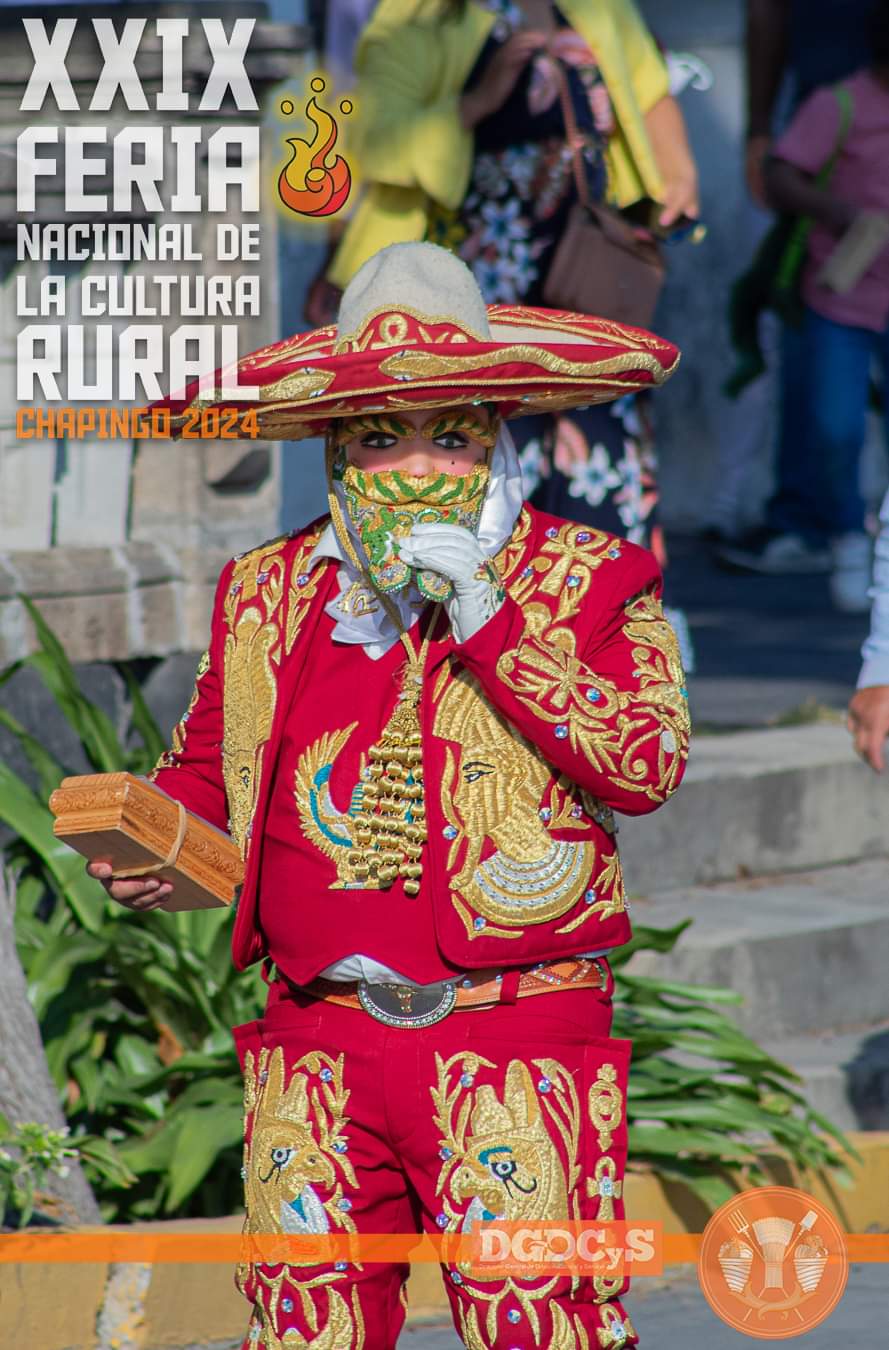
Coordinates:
(615, 1331)
(605, 1185)
(606, 1105)
(294, 1156)
(501, 1161)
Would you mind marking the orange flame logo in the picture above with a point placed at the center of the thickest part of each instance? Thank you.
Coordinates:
(307, 185)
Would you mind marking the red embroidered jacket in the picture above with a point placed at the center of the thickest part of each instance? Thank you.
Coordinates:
(567, 705)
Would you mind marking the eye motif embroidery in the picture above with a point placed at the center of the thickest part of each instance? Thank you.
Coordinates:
(492, 793)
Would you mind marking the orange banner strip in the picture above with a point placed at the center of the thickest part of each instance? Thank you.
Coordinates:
(204, 1248)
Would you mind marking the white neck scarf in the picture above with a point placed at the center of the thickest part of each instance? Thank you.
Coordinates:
(360, 617)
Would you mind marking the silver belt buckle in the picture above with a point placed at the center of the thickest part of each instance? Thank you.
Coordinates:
(407, 1005)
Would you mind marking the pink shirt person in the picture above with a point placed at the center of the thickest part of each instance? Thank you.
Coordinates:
(860, 176)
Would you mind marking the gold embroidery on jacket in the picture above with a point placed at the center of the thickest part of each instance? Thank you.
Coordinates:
(254, 617)
(612, 728)
(323, 823)
(609, 885)
(494, 794)
(249, 705)
(169, 759)
(562, 570)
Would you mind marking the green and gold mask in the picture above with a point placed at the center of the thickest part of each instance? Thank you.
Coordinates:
(385, 506)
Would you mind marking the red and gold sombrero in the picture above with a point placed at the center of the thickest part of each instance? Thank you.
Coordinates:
(414, 333)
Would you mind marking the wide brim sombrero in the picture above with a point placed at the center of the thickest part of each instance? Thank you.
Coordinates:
(399, 356)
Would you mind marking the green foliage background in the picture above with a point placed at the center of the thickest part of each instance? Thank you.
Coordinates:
(135, 1013)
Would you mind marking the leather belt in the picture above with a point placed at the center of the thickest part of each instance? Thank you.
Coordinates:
(406, 1005)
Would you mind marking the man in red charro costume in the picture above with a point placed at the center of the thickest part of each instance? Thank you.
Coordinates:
(416, 718)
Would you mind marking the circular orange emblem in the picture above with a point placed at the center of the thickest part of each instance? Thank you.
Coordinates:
(773, 1263)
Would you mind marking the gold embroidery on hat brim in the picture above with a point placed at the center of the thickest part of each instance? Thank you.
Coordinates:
(324, 342)
(421, 367)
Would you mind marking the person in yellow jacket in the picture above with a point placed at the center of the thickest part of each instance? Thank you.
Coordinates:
(459, 138)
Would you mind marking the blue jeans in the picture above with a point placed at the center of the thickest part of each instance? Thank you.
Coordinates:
(825, 386)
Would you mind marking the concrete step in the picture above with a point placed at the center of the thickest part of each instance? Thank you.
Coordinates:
(760, 802)
(845, 1073)
(809, 951)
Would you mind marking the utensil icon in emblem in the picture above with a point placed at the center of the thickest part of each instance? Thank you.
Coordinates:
(736, 1260)
(809, 1261)
(773, 1236)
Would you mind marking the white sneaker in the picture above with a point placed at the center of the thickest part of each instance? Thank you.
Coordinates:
(774, 554)
(851, 576)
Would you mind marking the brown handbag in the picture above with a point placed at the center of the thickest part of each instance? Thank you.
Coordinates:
(600, 265)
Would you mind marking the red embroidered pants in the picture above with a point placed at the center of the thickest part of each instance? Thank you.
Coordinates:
(515, 1111)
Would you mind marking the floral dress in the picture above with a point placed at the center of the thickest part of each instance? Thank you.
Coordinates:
(595, 466)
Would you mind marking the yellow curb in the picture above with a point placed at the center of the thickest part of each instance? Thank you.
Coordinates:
(199, 1303)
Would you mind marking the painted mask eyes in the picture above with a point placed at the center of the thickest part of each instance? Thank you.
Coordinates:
(281, 1156)
(504, 1169)
(451, 440)
(378, 440)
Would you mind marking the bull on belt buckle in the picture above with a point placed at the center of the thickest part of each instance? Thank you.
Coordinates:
(408, 1005)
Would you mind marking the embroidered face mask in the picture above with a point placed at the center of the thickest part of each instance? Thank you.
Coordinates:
(385, 506)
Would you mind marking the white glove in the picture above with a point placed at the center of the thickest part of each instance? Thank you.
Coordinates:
(455, 553)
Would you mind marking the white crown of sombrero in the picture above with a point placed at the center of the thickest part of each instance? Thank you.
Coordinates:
(422, 278)
(413, 332)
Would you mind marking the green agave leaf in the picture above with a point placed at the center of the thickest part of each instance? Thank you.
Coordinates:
(204, 1135)
(709, 1186)
(23, 812)
(640, 1088)
(89, 722)
(153, 742)
(696, 993)
(734, 1049)
(666, 1140)
(647, 940)
(822, 1123)
(48, 769)
(693, 1016)
(705, 1111)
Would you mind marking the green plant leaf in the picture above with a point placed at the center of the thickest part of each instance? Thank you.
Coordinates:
(646, 939)
(203, 1136)
(153, 742)
(48, 769)
(696, 993)
(23, 812)
(659, 1141)
(91, 724)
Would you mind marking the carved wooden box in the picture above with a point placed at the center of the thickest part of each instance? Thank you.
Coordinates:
(126, 820)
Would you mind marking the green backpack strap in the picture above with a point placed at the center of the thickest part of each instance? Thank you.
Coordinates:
(791, 265)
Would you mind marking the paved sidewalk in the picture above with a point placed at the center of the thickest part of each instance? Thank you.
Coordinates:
(675, 1316)
(764, 645)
